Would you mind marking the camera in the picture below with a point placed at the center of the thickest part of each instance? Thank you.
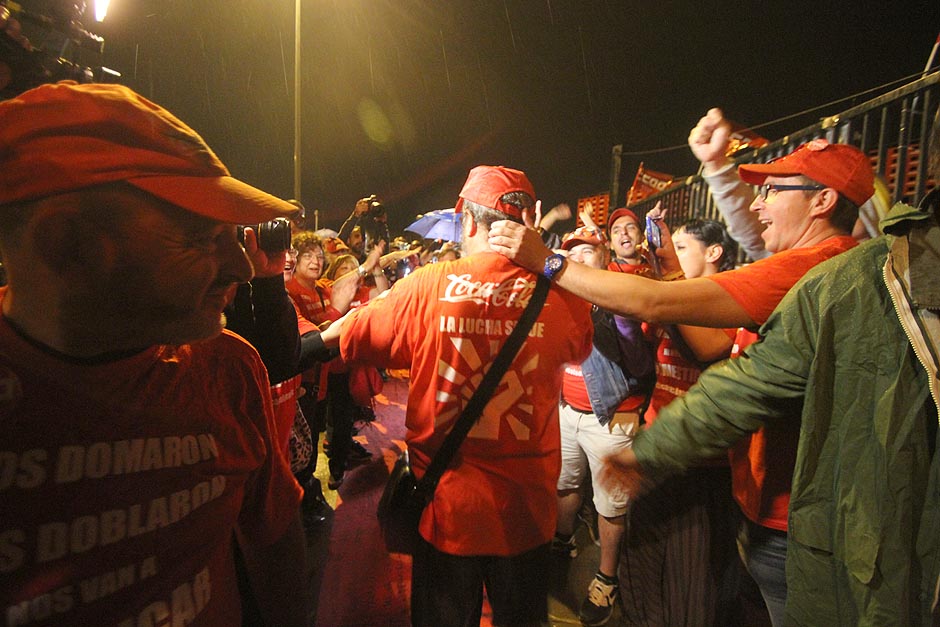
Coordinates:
(273, 236)
(376, 209)
(45, 42)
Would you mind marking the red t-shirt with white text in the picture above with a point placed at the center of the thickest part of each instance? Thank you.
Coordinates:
(121, 484)
(447, 322)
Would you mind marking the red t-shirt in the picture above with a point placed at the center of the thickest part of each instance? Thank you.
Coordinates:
(574, 392)
(315, 306)
(623, 266)
(674, 373)
(122, 483)
(447, 322)
(762, 463)
(284, 398)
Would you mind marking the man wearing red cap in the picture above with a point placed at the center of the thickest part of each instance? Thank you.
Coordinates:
(852, 355)
(138, 435)
(808, 202)
(493, 513)
(626, 235)
(602, 400)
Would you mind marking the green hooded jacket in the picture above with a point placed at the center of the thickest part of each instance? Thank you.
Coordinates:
(852, 350)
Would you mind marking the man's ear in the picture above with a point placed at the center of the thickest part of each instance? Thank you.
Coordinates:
(824, 203)
(471, 225)
(68, 242)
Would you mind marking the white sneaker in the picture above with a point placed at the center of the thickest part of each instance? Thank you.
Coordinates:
(599, 604)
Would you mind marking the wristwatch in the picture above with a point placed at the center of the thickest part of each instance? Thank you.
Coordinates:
(553, 265)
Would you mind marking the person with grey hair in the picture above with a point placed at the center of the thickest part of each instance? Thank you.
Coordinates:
(492, 516)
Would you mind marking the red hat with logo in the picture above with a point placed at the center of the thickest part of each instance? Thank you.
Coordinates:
(486, 184)
(844, 168)
(63, 137)
(619, 213)
(584, 235)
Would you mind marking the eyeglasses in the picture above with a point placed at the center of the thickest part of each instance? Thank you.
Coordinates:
(310, 255)
(768, 190)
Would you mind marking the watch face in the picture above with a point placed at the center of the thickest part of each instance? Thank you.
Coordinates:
(553, 264)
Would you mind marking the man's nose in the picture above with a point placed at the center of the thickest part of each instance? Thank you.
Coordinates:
(234, 262)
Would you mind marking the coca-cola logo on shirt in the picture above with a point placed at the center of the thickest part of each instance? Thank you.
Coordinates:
(513, 292)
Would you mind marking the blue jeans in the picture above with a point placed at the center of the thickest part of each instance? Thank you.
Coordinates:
(765, 555)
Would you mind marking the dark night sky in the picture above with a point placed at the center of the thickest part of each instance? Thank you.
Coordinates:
(547, 86)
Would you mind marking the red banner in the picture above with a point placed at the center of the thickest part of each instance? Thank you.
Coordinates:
(648, 182)
(743, 138)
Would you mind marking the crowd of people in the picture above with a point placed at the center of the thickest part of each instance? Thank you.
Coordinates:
(167, 375)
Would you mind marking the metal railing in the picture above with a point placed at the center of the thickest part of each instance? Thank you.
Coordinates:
(894, 129)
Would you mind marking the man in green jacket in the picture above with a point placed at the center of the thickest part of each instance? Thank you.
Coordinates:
(854, 350)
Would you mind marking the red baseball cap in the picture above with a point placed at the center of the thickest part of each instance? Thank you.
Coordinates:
(844, 168)
(335, 245)
(64, 137)
(584, 235)
(619, 213)
(486, 184)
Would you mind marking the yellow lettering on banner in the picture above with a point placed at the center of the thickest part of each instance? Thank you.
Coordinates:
(58, 539)
(128, 455)
(171, 452)
(24, 470)
(106, 584)
(158, 517)
(185, 604)
(179, 504)
(40, 608)
(154, 615)
(153, 455)
(12, 553)
(113, 526)
(148, 567)
(69, 466)
(190, 450)
(52, 542)
(102, 459)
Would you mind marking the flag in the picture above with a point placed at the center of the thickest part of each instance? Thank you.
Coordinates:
(648, 182)
(743, 138)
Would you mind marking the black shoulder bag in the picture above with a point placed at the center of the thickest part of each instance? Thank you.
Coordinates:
(405, 498)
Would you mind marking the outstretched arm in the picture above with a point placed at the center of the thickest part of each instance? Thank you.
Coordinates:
(697, 301)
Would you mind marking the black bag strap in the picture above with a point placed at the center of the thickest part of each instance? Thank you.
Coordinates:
(474, 407)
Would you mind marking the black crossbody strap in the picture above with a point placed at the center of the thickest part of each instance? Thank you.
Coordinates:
(474, 407)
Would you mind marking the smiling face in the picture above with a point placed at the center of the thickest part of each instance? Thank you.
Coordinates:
(589, 255)
(785, 214)
(625, 237)
(309, 266)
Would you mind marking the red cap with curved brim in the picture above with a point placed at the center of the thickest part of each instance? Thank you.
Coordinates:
(64, 137)
(844, 168)
(583, 235)
(619, 213)
(486, 184)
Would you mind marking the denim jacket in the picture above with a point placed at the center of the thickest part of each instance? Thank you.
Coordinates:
(621, 364)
